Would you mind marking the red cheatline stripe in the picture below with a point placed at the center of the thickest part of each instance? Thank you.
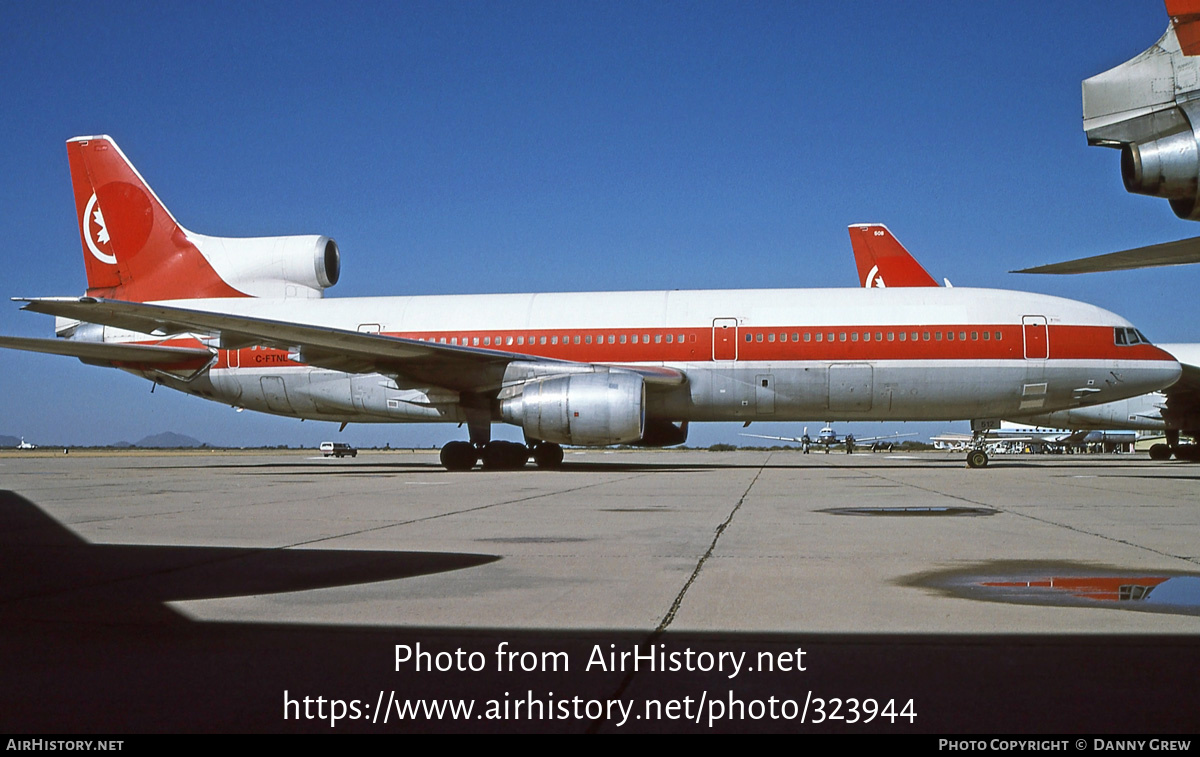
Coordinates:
(848, 343)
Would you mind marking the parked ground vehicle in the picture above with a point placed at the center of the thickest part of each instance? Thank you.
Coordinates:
(337, 449)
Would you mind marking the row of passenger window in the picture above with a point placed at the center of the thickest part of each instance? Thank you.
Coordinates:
(879, 336)
(533, 339)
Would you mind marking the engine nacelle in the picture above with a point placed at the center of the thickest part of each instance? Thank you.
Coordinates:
(295, 266)
(661, 433)
(1166, 167)
(1146, 107)
(590, 409)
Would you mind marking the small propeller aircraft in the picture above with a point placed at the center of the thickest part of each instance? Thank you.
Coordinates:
(827, 438)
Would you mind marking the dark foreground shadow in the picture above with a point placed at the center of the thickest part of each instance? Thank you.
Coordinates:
(87, 645)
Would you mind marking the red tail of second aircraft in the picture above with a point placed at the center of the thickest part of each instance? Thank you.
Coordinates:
(882, 261)
(133, 249)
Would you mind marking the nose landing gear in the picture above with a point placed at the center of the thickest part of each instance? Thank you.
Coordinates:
(977, 458)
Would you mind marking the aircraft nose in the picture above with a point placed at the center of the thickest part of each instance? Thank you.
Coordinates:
(1165, 372)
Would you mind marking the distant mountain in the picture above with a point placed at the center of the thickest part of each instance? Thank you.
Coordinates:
(9, 441)
(168, 439)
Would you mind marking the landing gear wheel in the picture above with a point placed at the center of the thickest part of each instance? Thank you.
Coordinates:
(1160, 452)
(977, 458)
(547, 455)
(504, 456)
(458, 456)
(1188, 452)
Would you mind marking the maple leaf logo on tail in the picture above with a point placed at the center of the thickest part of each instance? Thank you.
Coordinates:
(102, 234)
(875, 279)
(98, 236)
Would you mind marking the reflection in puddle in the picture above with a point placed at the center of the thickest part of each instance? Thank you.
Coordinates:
(1100, 588)
(968, 511)
(1075, 586)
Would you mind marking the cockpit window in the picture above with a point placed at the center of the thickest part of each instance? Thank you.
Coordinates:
(1127, 336)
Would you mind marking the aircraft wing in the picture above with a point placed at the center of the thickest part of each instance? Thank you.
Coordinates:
(793, 439)
(992, 436)
(1168, 253)
(1075, 437)
(108, 353)
(951, 437)
(869, 439)
(460, 368)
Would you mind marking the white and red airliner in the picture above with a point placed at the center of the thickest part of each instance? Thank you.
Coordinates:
(244, 322)
(881, 258)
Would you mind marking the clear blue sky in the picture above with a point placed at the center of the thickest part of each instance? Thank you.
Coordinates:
(456, 147)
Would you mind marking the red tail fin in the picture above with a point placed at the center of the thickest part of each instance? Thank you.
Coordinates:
(133, 249)
(882, 261)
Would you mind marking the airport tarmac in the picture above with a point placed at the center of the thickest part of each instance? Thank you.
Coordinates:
(189, 592)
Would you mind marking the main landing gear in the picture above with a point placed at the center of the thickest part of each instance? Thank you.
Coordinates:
(496, 455)
(1186, 452)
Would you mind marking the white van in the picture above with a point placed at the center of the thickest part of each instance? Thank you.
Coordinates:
(337, 449)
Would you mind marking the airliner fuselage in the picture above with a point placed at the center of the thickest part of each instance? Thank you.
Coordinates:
(785, 355)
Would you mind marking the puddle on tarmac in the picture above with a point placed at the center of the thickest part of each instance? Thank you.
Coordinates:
(960, 511)
(1072, 585)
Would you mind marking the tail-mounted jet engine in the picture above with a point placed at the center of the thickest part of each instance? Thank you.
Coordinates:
(294, 266)
(1146, 108)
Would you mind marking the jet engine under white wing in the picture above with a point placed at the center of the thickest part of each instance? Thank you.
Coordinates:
(587, 409)
(273, 267)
